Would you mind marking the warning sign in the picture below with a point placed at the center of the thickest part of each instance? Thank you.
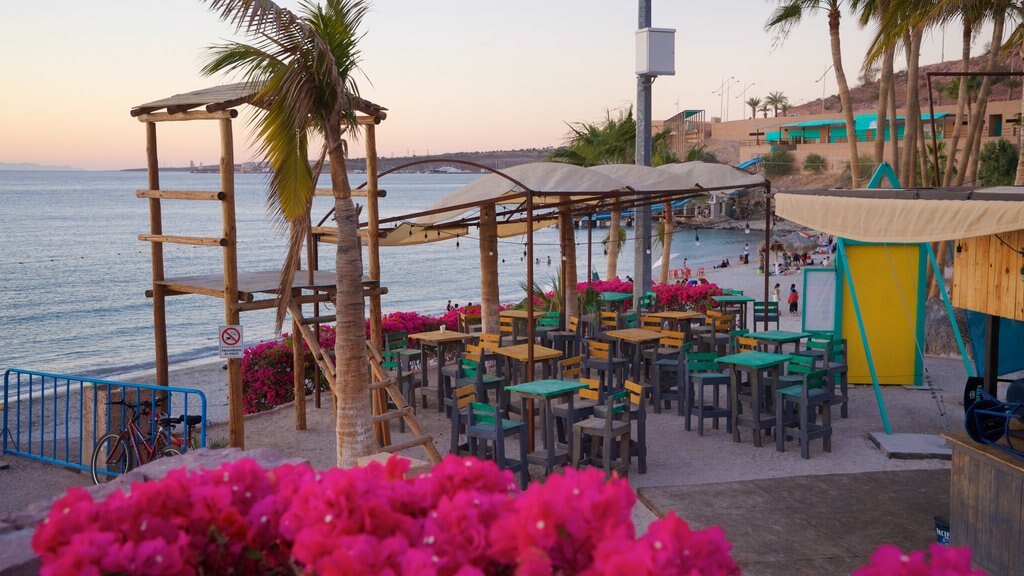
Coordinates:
(230, 342)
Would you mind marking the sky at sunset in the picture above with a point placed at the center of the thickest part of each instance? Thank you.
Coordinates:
(455, 75)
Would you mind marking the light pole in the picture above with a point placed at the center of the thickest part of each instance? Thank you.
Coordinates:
(744, 96)
(728, 89)
(823, 82)
(721, 96)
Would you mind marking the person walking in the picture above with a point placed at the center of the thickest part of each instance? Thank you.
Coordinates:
(776, 293)
(794, 299)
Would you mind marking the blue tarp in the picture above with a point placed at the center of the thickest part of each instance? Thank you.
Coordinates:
(1011, 342)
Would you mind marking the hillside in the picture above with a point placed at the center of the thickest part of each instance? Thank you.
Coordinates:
(865, 96)
(498, 159)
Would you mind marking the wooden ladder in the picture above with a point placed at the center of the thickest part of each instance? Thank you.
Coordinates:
(380, 381)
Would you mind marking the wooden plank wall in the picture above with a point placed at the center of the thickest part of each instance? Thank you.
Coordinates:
(986, 275)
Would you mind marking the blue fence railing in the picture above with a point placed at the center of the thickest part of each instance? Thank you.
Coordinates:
(58, 419)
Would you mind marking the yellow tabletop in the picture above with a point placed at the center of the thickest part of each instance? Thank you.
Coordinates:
(519, 352)
(440, 336)
(520, 314)
(676, 315)
(635, 335)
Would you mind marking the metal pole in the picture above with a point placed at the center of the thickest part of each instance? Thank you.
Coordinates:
(529, 283)
(642, 220)
(767, 247)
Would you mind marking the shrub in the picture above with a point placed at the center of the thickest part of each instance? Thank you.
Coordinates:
(777, 163)
(267, 372)
(686, 296)
(465, 517)
(997, 163)
(815, 163)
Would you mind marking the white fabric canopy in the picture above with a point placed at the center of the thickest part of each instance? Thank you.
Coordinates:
(875, 216)
(537, 176)
(641, 178)
(710, 175)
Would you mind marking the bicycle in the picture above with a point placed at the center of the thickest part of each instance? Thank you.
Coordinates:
(118, 452)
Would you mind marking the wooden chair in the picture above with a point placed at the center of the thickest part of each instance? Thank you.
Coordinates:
(667, 372)
(637, 414)
(471, 370)
(648, 302)
(582, 406)
(702, 372)
(747, 344)
(506, 327)
(718, 338)
(459, 406)
(614, 426)
(470, 323)
(630, 320)
(397, 357)
(607, 321)
(486, 426)
(600, 358)
(568, 340)
(812, 393)
(766, 311)
(547, 323)
(651, 323)
(820, 347)
(490, 343)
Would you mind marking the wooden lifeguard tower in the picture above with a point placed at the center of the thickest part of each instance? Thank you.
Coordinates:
(258, 290)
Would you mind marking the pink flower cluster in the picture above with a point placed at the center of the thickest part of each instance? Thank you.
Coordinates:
(695, 297)
(465, 517)
(889, 560)
(614, 285)
(267, 371)
(407, 322)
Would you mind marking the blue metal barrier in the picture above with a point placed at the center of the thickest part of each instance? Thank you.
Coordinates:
(57, 418)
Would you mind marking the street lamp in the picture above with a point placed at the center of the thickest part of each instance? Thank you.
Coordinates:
(823, 82)
(728, 88)
(744, 96)
(721, 93)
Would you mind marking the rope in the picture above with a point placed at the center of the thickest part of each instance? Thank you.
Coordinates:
(936, 397)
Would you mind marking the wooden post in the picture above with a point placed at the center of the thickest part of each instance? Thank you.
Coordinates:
(313, 263)
(489, 294)
(298, 371)
(157, 257)
(569, 274)
(236, 413)
(382, 429)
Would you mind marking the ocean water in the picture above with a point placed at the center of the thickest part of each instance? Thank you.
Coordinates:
(73, 273)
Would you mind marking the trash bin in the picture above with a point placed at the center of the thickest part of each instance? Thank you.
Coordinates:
(942, 530)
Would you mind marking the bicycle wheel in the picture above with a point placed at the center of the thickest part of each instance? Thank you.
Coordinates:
(169, 451)
(110, 458)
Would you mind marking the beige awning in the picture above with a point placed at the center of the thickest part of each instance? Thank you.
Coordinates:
(905, 216)
(710, 175)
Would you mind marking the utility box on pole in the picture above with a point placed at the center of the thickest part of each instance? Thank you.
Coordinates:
(656, 52)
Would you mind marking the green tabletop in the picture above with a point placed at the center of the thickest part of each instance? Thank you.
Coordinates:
(547, 388)
(783, 336)
(614, 296)
(755, 359)
(732, 299)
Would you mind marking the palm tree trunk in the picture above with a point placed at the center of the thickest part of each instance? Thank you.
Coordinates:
(977, 120)
(567, 234)
(844, 95)
(894, 130)
(913, 108)
(961, 105)
(489, 295)
(353, 425)
(613, 243)
(666, 244)
(883, 105)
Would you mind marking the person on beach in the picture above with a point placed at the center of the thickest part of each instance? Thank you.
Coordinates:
(449, 306)
(794, 299)
(549, 260)
(776, 293)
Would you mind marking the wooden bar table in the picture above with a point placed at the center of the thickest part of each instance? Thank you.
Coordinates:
(639, 337)
(547, 391)
(438, 339)
(739, 302)
(679, 319)
(520, 353)
(779, 337)
(756, 364)
(519, 317)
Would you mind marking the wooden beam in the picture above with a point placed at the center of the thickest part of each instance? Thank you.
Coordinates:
(191, 240)
(157, 261)
(181, 108)
(166, 292)
(356, 192)
(193, 115)
(236, 410)
(179, 195)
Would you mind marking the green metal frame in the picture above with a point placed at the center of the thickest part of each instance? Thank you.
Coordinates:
(968, 366)
(803, 309)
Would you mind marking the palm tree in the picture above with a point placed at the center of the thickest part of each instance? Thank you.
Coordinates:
(874, 10)
(611, 142)
(776, 100)
(764, 110)
(753, 102)
(785, 18)
(303, 65)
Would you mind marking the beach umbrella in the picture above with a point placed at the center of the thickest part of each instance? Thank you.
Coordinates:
(798, 243)
(775, 246)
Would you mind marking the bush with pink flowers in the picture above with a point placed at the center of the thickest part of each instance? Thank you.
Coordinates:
(267, 372)
(889, 560)
(464, 517)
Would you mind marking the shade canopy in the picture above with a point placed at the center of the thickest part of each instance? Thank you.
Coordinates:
(798, 243)
(905, 216)
(690, 175)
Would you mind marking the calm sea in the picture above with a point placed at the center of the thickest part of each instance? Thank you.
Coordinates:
(73, 274)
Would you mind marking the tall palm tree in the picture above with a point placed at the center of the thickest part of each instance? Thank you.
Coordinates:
(786, 17)
(874, 11)
(764, 110)
(612, 141)
(753, 102)
(303, 65)
(776, 100)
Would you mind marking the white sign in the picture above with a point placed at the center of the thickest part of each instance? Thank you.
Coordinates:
(230, 342)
